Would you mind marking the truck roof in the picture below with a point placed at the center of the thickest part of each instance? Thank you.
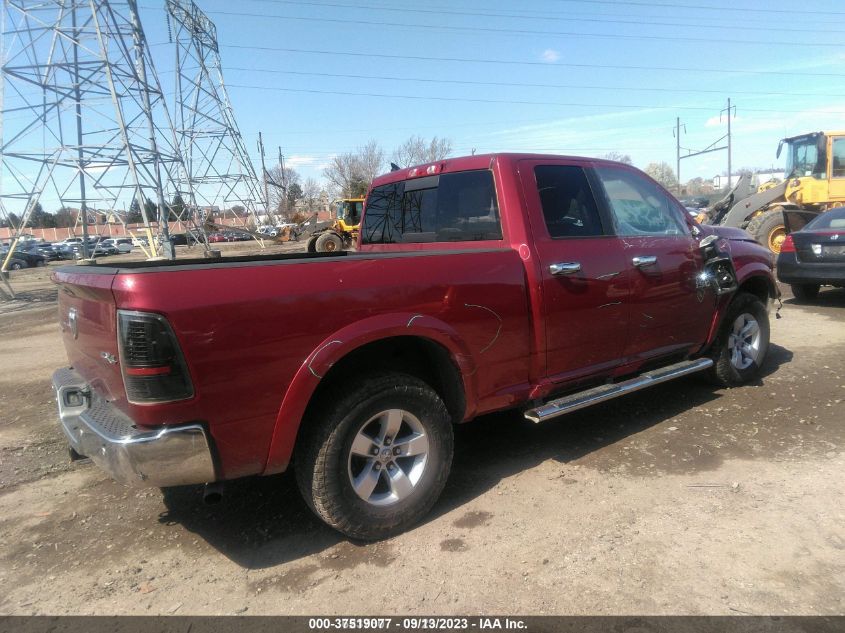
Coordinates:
(465, 163)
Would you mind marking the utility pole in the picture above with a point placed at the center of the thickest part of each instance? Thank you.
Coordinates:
(284, 178)
(264, 175)
(678, 152)
(728, 111)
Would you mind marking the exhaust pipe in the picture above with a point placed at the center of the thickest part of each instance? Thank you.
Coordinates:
(213, 493)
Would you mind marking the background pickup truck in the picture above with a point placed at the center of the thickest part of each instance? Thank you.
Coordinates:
(480, 284)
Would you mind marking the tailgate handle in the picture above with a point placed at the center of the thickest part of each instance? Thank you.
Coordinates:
(565, 268)
(644, 260)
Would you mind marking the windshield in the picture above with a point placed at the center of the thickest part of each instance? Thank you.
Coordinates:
(803, 158)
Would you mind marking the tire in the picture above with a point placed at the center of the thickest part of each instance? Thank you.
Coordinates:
(735, 364)
(17, 265)
(805, 292)
(768, 229)
(312, 244)
(333, 454)
(40, 263)
(329, 243)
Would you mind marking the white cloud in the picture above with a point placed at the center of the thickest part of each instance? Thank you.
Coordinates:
(550, 55)
(302, 160)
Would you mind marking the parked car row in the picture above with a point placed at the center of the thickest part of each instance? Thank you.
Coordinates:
(228, 236)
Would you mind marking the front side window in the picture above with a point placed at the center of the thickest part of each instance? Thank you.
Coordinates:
(569, 207)
(638, 206)
(454, 207)
(838, 156)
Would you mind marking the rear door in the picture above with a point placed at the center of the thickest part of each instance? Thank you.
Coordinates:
(669, 314)
(584, 277)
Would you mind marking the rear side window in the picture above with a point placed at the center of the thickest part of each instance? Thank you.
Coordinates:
(569, 207)
(457, 207)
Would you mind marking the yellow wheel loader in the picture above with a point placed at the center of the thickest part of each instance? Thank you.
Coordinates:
(343, 232)
(814, 181)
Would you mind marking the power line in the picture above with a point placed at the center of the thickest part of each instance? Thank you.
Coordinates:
(532, 85)
(527, 32)
(515, 102)
(600, 20)
(535, 63)
(653, 5)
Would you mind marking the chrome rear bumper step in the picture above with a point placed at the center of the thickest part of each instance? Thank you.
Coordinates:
(582, 399)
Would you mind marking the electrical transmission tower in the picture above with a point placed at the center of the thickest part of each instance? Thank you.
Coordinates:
(218, 165)
(84, 119)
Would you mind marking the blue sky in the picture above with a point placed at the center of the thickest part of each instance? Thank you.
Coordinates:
(579, 77)
(609, 76)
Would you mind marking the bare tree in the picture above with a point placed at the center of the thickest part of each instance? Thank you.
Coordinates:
(619, 157)
(371, 157)
(350, 174)
(662, 173)
(344, 174)
(415, 150)
(311, 194)
(279, 181)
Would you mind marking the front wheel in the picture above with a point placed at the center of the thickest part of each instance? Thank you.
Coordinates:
(805, 292)
(768, 229)
(312, 244)
(372, 464)
(741, 347)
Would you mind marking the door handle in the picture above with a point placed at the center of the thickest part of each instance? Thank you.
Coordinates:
(565, 268)
(644, 260)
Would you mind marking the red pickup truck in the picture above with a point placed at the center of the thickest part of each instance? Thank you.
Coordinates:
(483, 283)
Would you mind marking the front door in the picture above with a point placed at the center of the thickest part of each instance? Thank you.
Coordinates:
(583, 273)
(669, 314)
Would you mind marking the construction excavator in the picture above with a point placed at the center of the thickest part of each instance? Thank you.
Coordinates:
(814, 181)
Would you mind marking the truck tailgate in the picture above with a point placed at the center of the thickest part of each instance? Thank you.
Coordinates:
(89, 327)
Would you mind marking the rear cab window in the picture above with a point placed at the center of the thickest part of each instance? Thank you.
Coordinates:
(443, 208)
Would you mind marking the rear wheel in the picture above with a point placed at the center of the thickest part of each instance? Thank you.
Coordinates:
(768, 229)
(740, 349)
(329, 243)
(805, 292)
(373, 463)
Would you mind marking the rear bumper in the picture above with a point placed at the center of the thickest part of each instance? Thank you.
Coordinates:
(168, 456)
(791, 271)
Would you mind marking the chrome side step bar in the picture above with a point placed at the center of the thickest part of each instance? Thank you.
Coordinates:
(582, 399)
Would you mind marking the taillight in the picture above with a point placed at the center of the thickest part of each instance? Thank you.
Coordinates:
(787, 246)
(150, 359)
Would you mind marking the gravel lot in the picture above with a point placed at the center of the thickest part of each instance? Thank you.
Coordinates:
(683, 499)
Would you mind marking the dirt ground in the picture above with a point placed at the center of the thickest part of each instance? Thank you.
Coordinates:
(682, 499)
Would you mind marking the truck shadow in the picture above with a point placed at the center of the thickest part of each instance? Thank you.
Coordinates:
(263, 522)
(827, 298)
